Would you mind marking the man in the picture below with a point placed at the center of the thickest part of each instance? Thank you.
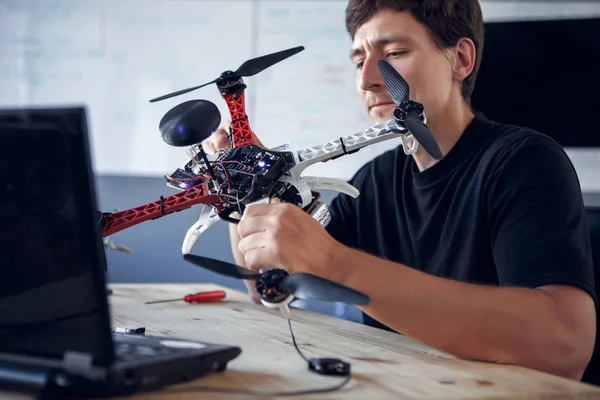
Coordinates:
(484, 254)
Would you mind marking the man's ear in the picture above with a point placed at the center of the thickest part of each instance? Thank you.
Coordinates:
(464, 59)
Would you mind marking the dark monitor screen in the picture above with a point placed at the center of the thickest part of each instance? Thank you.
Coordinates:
(544, 75)
(52, 290)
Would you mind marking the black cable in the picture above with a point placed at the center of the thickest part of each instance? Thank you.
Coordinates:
(262, 393)
(207, 163)
(294, 341)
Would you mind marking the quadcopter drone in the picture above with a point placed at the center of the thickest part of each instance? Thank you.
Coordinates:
(246, 173)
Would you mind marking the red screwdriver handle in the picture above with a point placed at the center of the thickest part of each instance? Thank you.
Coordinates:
(205, 297)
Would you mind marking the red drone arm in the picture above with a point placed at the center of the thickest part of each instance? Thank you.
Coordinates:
(241, 134)
(120, 220)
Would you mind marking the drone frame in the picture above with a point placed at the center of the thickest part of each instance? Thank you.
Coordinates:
(232, 90)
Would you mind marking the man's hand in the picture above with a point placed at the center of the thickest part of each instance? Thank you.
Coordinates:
(280, 235)
(219, 140)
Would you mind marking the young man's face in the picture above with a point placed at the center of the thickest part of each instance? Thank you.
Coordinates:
(406, 44)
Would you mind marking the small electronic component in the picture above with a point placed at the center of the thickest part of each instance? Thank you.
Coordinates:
(182, 179)
(329, 366)
(131, 330)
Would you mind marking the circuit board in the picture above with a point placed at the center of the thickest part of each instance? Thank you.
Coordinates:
(242, 173)
(257, 161)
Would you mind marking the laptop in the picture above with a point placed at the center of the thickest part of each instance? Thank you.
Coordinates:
(55, 327)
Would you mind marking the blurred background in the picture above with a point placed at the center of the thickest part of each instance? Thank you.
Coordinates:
(540, 68)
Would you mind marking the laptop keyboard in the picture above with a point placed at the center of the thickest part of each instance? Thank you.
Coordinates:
(134, 351)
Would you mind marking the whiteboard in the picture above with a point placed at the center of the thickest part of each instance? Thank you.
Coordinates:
(115, 55)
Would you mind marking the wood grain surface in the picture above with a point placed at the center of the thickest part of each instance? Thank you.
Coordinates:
(384, 365)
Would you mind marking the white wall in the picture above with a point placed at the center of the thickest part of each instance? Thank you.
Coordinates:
(114, 55)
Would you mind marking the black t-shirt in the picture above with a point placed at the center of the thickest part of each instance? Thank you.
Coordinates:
(504, 207)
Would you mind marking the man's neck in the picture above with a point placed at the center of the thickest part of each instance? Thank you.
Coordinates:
(447, 127)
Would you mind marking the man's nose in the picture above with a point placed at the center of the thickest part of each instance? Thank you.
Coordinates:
(370, 77)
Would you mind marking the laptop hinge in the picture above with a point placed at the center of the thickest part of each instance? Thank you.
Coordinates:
(79, 363)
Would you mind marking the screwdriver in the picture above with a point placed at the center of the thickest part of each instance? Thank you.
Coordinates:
(200, 297)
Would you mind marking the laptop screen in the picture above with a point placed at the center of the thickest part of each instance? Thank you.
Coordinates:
(52, 289)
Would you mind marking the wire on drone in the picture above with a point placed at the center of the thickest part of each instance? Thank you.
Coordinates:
(162, 205)
(343, 146)
(244, 118)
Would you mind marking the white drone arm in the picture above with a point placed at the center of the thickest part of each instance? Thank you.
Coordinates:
(207, 218)
(324, 152)
(338, 185)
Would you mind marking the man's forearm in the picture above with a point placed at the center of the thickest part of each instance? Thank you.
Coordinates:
(498, 324)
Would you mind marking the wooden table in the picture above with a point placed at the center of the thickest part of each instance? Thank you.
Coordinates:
(384, 365)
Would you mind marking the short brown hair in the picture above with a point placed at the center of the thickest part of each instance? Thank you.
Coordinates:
(447, 21)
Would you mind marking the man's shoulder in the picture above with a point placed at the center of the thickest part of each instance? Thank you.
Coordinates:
(512, 141)
(520, 157)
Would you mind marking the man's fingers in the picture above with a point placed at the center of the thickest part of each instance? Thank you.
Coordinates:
(258, 258)
(255, 241)
(251, 286)
(217, 141)
(260, 251)
(209, 148)
(252, 260)
(257, 210)
(273, 207)
(220, 139)
(251, 225)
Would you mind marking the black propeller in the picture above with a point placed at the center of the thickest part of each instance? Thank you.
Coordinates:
(396, 86)
(275, 285)
(189, 123)
(248, 68)
(407, 111)
(221, 267)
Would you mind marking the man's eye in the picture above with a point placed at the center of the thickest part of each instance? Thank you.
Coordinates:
(395, 54)
(359, 64)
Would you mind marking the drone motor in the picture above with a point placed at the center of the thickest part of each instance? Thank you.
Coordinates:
(409, 115)
(269, 288)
